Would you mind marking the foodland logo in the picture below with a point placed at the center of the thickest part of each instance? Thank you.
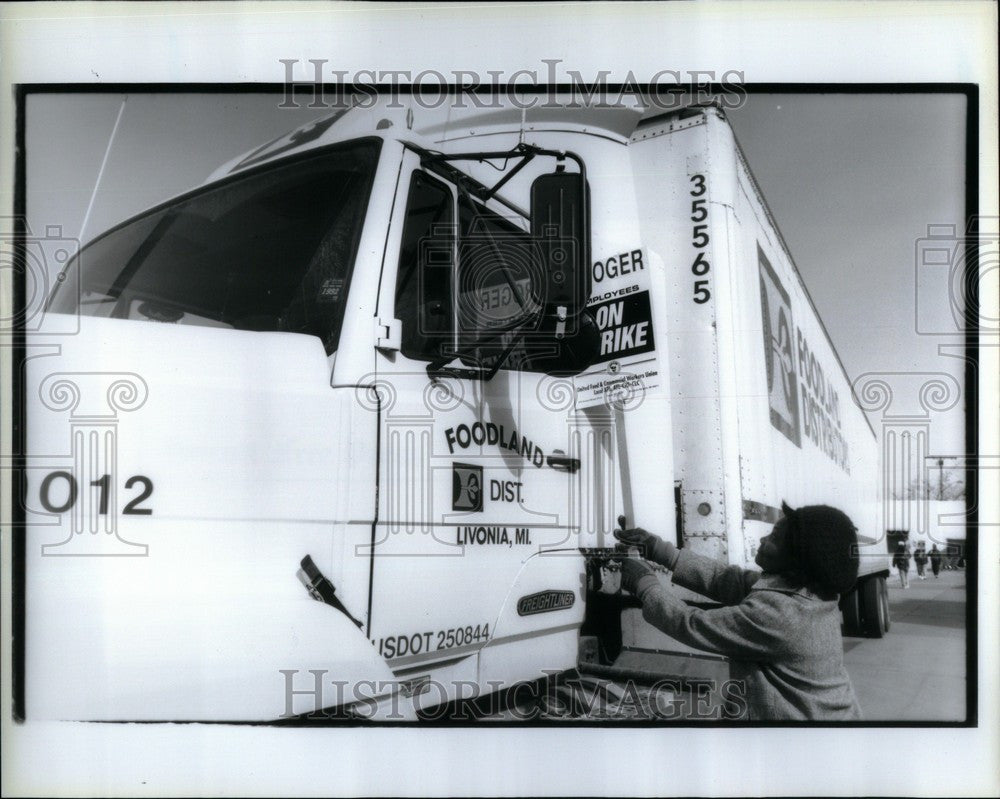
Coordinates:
(779, 352)
(467, 487)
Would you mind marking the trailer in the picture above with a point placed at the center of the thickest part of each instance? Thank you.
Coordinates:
(414, 364)
(762, 409)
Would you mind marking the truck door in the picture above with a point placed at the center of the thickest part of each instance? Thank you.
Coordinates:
(475, 475)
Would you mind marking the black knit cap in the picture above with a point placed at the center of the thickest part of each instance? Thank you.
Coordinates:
(824, 542)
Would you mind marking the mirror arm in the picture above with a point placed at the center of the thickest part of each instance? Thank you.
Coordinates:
(439, 367)
(503, 181)
(504, 355)
(561, 312)
(429, 158)
(452, 371)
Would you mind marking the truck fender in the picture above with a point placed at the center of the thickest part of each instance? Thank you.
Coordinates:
(232, 663)
(537, 627)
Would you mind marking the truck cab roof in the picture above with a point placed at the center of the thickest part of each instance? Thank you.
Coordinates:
(436, 128)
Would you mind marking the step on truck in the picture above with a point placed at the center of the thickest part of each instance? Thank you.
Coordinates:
(344, 431)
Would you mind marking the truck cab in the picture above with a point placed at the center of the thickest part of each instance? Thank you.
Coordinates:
(415, 363)
(345, 368)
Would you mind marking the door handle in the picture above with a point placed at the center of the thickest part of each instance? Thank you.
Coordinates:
(559, 460)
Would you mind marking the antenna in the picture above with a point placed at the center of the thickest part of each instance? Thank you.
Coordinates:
(100, 172)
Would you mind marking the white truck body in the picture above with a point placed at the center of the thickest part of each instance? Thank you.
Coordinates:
(762, 409)
(183, 458)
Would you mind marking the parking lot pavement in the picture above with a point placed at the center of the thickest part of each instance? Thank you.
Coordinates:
(917, 672)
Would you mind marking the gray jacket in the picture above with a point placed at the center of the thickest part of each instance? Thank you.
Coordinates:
(783, 640)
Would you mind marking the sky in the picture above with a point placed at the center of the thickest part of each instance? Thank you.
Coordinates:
(853, 182)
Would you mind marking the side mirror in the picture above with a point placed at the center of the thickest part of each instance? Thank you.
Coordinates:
(560, 229)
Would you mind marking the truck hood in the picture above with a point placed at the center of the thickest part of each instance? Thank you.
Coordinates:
(188, 607)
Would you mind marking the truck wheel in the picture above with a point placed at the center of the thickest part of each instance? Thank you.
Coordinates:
(851, 608)
(875, 607)
(884, 598)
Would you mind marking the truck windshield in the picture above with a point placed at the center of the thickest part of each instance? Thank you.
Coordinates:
(271, 250)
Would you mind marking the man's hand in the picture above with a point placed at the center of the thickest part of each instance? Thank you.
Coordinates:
(650, 546)
(633, 571)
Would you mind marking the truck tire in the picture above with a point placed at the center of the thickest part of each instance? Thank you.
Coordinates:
(850, 606)
(884, 596)
(874, 607)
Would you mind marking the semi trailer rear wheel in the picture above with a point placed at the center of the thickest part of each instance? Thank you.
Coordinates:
(875, 607)
(850, 606)
(884, 597)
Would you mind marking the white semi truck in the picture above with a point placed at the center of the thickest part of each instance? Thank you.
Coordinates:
(414, 363)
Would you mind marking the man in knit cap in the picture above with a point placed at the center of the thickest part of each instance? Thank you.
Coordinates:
(780, 627)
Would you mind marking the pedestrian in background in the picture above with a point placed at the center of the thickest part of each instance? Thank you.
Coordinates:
(901, 560)
(780, 627)
(935, 557)
(920, 559)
